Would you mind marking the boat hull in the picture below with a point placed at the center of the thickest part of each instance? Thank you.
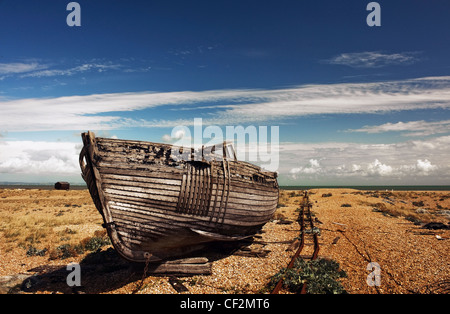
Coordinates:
(156, 207)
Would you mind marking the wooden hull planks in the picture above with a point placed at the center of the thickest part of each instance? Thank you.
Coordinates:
(156, 206)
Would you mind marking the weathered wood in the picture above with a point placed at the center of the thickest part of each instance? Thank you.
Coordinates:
(154, 203)
(152, 182)
(190, 266)
(155, 196)
(251, 252)
(142, 173)
(251, 210)
(177, 284)
(142, 188)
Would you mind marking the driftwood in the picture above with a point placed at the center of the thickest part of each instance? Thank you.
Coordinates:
(187, 266)
(247, 252)
(177, 284)
(335, 240)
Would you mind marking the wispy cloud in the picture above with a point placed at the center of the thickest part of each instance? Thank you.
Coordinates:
(378, 97)
(193, 50)
(373, 59)
(411, 128)
(72, 71)
(102, 111)
(15, 68)
(40, 68)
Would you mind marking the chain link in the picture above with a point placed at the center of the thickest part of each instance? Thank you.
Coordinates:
(144, 275)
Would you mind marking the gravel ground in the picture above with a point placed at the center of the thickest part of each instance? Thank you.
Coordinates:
(409, 258)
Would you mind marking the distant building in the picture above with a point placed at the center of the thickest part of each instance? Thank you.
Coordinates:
(62, 186)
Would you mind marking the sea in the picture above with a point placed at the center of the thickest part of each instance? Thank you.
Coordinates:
(48, 186)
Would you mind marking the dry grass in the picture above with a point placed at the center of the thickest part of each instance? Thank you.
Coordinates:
(45, 219)
(418, 207)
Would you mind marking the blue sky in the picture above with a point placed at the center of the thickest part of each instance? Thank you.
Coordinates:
(354, 104)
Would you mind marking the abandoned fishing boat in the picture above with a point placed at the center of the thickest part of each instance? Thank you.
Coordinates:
(158, 201)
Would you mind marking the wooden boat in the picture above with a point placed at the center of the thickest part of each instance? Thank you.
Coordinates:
(158, 202)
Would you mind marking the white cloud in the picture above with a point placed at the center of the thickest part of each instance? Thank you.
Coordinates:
(14, 68)
(373, 59)
(425, 166)
(178, 135)
(411, 128)
(72, 71)
(344, 99)
(35, 69)
(356, 168)
(313, 167)
(378, 168)
(409, 162)
(314, 164)
(236, 106)
(40, 158)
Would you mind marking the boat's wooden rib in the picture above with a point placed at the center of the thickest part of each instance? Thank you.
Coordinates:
(156, 205)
